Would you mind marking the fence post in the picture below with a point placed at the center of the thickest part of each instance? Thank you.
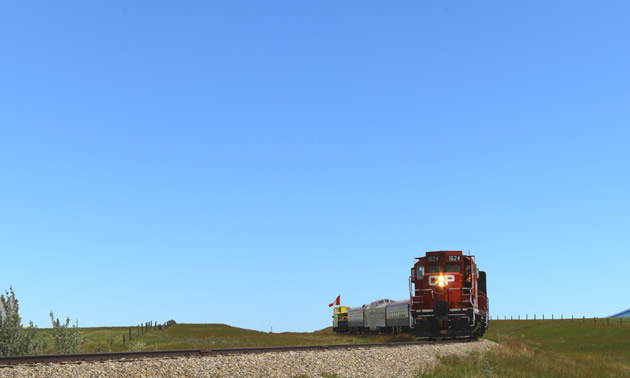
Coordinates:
(525, 316)
(551, 316)
(123, 340)
(543, 317)
(534, 316)
(583, 318)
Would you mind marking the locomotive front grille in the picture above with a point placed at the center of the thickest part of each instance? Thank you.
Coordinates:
(441, 308)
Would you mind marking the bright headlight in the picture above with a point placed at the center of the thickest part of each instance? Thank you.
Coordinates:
(441, 281)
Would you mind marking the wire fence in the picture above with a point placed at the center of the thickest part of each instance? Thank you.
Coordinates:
(562, 318)
(143, 328)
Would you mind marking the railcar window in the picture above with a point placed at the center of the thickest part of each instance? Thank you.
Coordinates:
(434, 268)
(453, 268)
(397, 314)
(358, 316)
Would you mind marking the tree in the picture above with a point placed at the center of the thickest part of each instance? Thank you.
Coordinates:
(14, 339)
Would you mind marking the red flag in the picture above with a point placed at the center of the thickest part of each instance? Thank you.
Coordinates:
(336, 302)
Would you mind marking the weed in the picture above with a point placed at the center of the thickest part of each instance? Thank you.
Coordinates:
(137, 346)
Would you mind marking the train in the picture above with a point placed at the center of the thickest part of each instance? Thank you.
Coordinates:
(448, 298)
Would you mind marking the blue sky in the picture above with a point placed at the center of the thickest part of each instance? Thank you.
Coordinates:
(246, 162)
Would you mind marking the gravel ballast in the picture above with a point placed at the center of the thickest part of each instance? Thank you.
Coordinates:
(402, 361)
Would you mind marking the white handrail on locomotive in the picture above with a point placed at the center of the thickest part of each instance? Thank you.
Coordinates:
(461, 303)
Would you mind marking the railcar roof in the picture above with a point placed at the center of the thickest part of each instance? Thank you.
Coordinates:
(404, 301)
(380, 303)
(358, 308)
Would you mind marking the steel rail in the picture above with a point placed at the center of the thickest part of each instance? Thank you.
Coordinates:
(131, 356)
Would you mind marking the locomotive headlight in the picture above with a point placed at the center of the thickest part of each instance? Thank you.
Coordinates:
(441, 281)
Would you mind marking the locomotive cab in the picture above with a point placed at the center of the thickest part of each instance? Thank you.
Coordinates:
(448, 298)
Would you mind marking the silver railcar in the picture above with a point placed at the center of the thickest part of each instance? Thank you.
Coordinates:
(356, 319)
(398, 316)
(375, 319)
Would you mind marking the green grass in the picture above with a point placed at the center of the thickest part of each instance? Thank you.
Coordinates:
(546, 348)
(212, 336)
(541, 348)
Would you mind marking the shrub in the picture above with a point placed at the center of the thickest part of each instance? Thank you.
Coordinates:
(15, 340)
(67, 339)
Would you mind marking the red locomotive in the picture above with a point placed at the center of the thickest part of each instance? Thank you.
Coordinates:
(449, 296)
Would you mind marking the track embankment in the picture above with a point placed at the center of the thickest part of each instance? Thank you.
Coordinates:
(357, 361)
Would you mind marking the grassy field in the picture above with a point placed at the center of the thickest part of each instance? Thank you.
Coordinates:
(541, 348)
(548, 349)
(208, 336)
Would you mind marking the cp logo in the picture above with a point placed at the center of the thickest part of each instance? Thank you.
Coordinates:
(433, 280)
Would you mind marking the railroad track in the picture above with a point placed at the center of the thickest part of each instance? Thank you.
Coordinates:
(130, 356)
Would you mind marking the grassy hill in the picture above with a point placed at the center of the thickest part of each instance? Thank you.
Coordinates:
(549, 349)
(208, 336)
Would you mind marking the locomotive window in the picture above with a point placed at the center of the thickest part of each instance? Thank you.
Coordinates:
(420, 274)
(434, 268)
(453, 268)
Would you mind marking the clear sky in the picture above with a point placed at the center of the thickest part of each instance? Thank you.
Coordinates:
(246, 162)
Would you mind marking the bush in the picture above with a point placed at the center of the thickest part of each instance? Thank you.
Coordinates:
(15, 340)
(67, 339)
